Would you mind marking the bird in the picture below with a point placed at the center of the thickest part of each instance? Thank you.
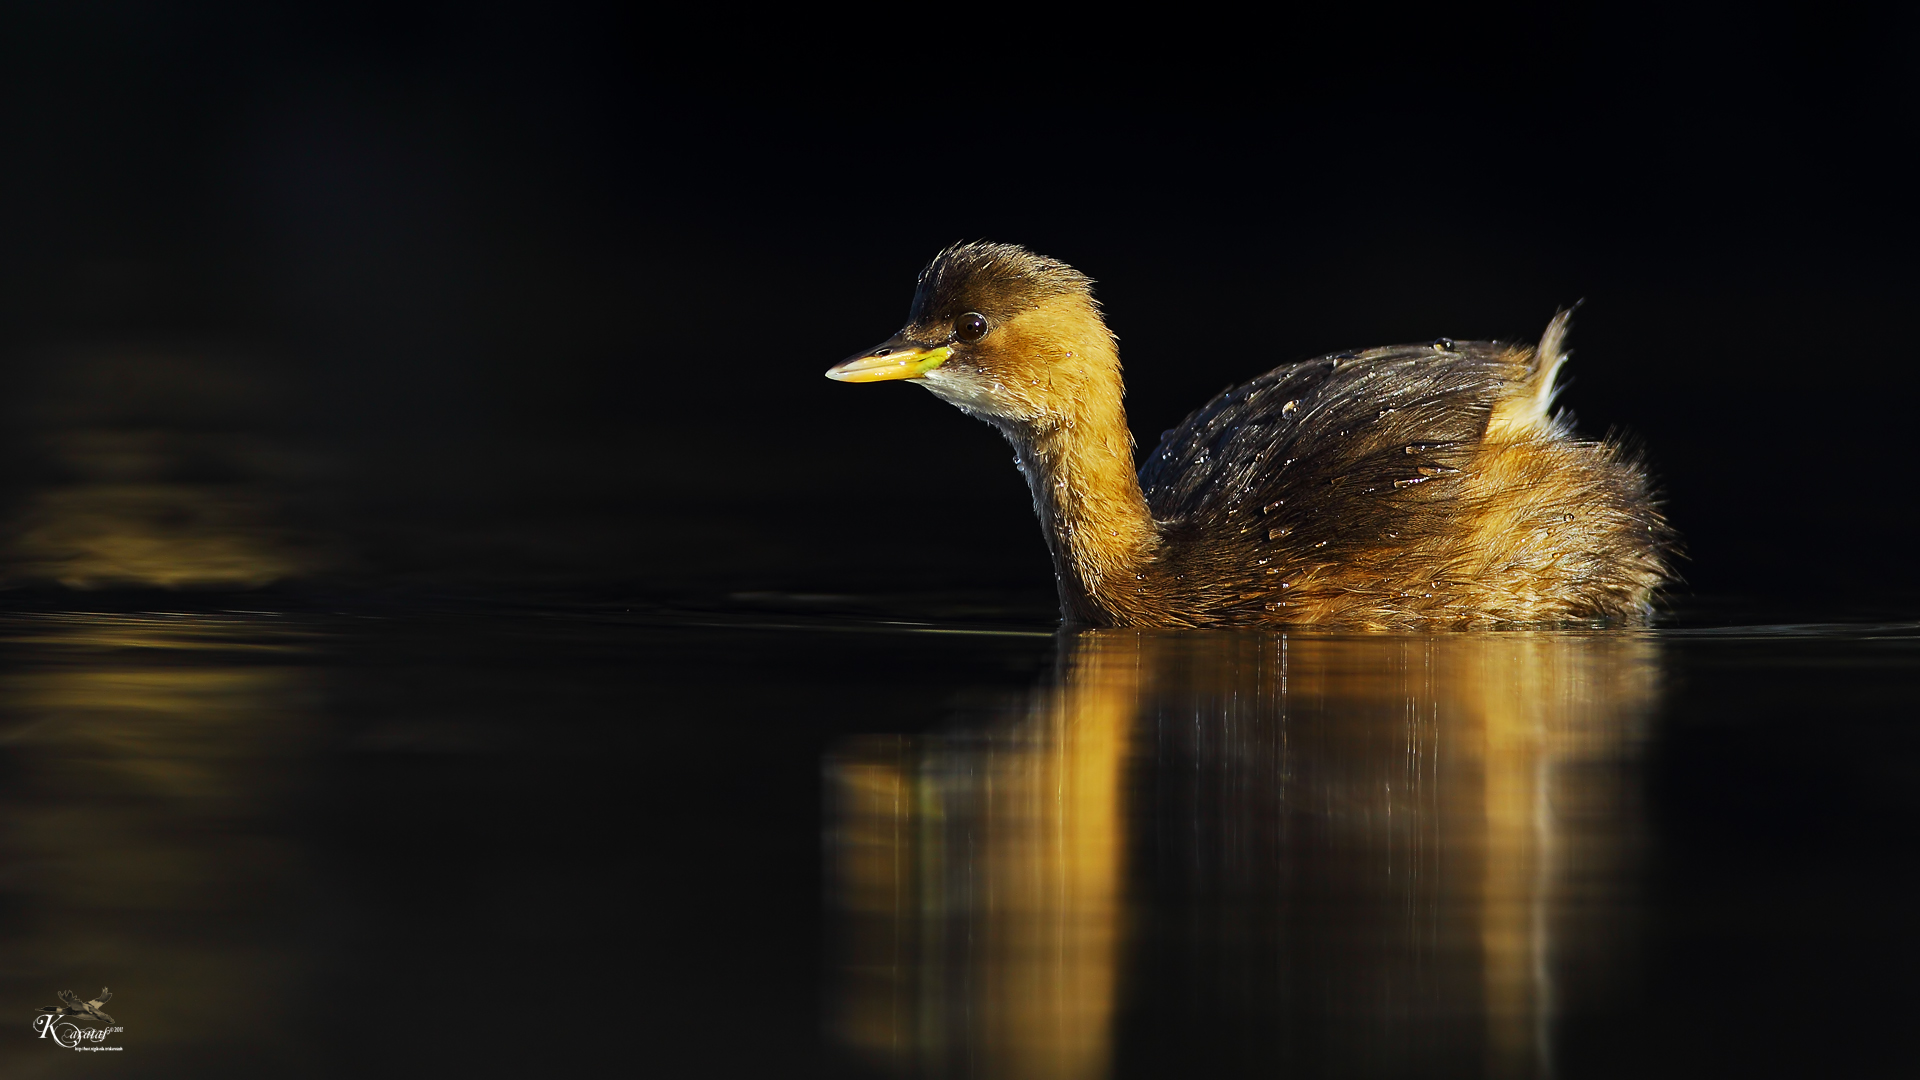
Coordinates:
(77, 1008)
(1417, 486)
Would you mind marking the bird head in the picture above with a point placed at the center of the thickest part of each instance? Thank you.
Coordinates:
(1000, 332)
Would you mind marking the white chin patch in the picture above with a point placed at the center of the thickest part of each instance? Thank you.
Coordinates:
(971, 393)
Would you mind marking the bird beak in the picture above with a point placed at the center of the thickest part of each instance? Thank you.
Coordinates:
(896, 359)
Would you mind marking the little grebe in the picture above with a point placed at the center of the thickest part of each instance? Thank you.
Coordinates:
(1403, 486)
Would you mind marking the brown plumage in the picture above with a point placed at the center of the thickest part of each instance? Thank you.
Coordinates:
(1414, 485)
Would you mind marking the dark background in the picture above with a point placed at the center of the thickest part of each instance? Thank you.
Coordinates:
(482, 295)
(517, 299)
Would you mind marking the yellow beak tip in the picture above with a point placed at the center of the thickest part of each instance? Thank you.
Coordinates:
(894, 364)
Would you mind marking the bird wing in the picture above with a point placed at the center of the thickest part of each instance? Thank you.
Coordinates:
(106, 995)
(1186, 472)
(1270, 456)
(71, 999)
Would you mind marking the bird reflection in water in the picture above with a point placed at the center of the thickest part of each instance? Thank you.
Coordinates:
(1374, 854)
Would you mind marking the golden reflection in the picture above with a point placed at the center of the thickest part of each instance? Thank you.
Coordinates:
(1381, 844)
(982, 880)
(140, 752)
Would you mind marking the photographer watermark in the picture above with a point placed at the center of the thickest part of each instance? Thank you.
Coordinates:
(71, 1024)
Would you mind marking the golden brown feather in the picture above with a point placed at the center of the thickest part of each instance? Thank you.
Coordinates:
(1416, 485)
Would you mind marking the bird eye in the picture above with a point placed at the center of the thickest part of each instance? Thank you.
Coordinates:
(970, 327)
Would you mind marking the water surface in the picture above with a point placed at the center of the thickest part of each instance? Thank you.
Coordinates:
(747, 835)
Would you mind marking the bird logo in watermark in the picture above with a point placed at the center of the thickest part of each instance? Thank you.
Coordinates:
(62, 1023)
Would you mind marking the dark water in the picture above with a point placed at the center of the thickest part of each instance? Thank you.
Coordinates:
(748, 837)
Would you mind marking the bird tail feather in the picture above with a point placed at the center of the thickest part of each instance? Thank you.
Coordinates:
(1547, 358)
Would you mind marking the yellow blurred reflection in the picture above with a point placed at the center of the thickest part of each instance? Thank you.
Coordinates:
(145, 755)
(155, 472)
(1406, 833)
(172, 536)
(996, 859)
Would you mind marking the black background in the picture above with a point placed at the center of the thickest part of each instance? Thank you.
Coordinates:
(544, 293)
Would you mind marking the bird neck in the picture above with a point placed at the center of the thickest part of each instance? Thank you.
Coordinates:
(1078, 461)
